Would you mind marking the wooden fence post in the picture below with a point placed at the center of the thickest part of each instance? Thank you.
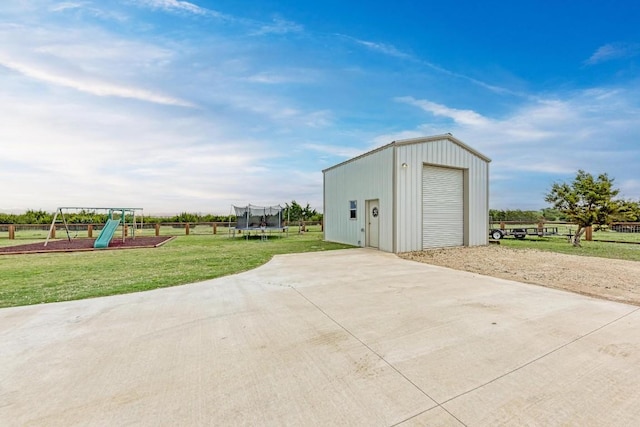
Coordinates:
(157, 229)
(540, 228)
(501, 225)
(12, 232)
(186, 229)
(90, 231)
(215, 228)
(53, 232)
(322, 225)
(588, 234)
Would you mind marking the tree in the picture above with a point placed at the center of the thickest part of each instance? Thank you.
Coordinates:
(514, 215)
(36, 217)
(8, 218)
(551, 214)
(293, 211)
(585, 201)
(186, 217)
(628, 210)
(308, 213)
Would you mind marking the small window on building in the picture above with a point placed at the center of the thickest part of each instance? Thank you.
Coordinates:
(352, 209)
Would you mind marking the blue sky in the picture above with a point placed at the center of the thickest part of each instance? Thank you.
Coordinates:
(193, 106)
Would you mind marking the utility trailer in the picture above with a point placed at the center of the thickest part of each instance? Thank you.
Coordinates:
(521, 233)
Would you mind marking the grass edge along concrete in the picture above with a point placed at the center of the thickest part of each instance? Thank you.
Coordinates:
(44, 278)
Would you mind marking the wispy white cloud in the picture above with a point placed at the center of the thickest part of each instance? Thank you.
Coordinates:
(612, 51)
(285, 76)
(265, 106)
(269, 78)
(278, 26)
(525, 163)
(178, 6)
(462, 117)
(89, 8)
(384, 48)
(131, 156)
(390, 50)
(65, 5)
(535, 121)
(334, 150)
(270, 111)
(318, 119)
(98, 51)
(90, 85)
(87, 60)
(591, 129)
(491, 87)
(231, 148)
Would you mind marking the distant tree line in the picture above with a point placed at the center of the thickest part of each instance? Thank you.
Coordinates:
(29, 217)
(627, 211)
(88, 217)
(192, 217)
(292, 211)
(546, 214)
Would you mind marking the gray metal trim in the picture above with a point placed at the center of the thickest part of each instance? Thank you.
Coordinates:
(394, 198)
(419, 140)
(324, 207)
(440, 138)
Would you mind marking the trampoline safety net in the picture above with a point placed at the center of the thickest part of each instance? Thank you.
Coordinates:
(255, 217)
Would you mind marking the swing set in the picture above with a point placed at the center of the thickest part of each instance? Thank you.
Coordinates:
(116, 217)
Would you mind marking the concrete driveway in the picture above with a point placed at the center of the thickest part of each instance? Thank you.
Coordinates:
(350, 337)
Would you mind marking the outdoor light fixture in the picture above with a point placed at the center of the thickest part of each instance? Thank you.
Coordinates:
(404, 166)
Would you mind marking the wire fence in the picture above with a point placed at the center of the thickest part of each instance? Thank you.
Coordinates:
(216, 229)
(619, 232)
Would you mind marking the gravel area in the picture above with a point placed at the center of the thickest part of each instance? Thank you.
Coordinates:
(612, 279)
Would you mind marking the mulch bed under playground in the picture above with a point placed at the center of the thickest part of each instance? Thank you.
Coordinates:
(84, 245)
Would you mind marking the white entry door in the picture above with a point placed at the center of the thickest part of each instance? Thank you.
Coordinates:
(373, 223)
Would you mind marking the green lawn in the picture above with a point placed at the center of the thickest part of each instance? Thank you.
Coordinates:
(559, 244)
(614, 235)
(40, 278)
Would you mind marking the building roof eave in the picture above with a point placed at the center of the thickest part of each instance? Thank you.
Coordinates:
(418, 140)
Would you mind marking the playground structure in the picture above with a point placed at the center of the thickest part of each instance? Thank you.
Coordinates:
(116, 217)
(259, 219)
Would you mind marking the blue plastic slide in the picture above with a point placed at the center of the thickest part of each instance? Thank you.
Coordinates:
(106, 234)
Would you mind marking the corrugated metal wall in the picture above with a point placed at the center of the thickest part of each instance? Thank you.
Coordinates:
(443, 215)
(365, 178)
(409, 190)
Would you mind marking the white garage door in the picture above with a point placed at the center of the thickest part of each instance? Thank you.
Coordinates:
(442, 207)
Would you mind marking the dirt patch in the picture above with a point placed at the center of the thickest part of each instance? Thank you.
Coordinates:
(612, 279)
(74, 245)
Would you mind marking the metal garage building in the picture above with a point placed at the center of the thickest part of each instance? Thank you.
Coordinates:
(409, 195)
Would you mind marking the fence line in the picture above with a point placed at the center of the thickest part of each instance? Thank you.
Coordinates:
(160, 228)
(568, 228)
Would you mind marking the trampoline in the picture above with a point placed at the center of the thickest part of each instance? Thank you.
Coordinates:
(262, 220)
